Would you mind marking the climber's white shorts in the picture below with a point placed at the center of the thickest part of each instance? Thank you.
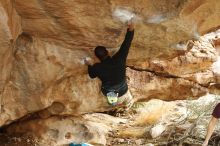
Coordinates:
(125, 101)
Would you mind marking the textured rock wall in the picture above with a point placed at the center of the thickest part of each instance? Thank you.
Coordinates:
(43, 44)
(10, 27)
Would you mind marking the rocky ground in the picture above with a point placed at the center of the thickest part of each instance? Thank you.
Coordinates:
(176, 128)
(155, 123)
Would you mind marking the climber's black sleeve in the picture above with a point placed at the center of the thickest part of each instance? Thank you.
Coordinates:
(123, 51)
(92, 71)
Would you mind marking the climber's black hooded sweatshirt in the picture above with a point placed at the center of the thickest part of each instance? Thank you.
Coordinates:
(112, 70)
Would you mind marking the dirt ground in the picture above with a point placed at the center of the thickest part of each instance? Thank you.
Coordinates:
(6, 140)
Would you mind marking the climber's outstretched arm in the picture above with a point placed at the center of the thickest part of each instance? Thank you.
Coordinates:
(123, 51)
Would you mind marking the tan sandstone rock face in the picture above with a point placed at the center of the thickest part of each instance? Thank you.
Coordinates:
(9, 31)
(43, 44)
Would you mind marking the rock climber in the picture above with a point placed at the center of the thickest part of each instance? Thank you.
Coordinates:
(212, 123)
(112, 71)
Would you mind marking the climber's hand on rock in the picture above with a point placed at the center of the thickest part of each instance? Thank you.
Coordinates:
(131, 24)
(88, 61)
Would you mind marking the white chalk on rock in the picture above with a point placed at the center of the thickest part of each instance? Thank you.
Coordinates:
(124, 15)
(181, 46)
(156, 19)
(85, 59)
(196, 35)
(88, 59)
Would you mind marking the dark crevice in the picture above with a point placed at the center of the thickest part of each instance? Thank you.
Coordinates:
(167, 75)
(31, 117)
(162, 74)
(28, 117)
